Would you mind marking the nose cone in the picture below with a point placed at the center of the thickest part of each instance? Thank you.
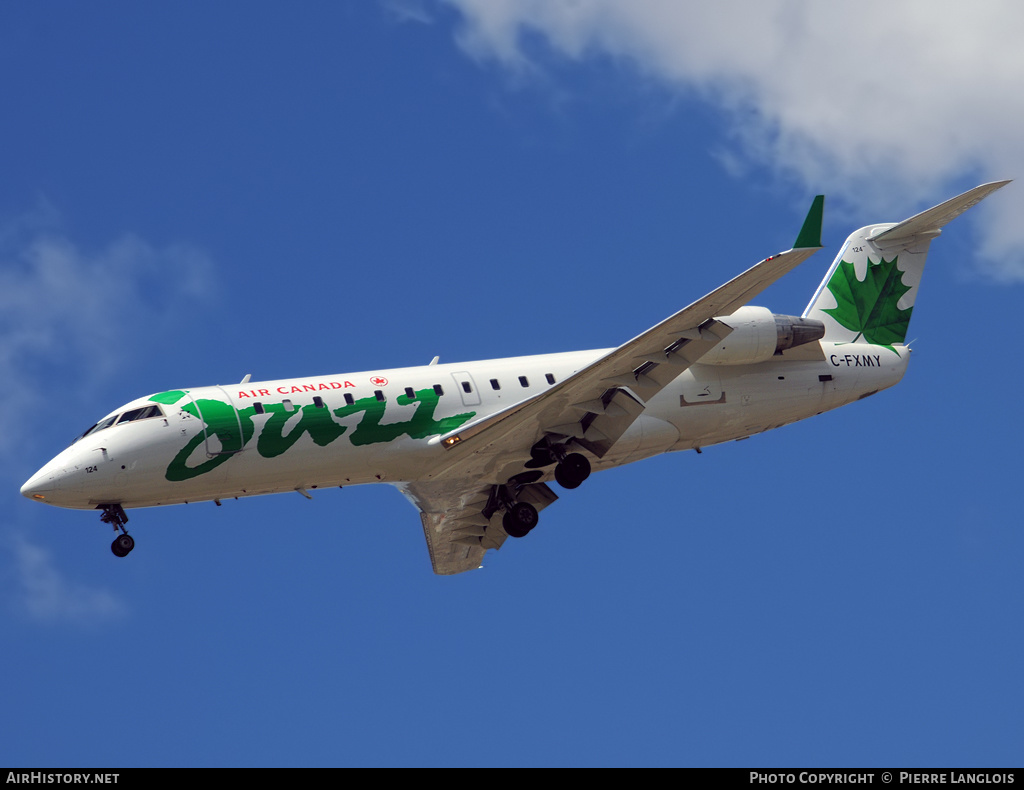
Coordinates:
(54, 484)
(41, 486)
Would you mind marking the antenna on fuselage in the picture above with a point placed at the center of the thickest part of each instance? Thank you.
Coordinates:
(435, 360)
(246, 379)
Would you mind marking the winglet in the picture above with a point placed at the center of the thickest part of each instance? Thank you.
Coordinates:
(810, 233)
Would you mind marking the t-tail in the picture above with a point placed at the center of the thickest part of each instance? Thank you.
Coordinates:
(869, 292)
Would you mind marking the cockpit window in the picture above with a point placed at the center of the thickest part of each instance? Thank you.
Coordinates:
(141, 414)
(99, 426)
(131, 415)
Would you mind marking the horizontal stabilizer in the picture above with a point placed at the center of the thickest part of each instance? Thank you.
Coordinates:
(935, 218)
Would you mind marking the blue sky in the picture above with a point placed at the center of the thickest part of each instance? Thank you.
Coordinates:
(192, 193)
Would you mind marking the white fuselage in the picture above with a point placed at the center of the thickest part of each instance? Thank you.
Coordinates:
(382, 426)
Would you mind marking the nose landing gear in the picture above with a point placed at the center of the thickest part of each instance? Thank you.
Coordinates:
(115, 515)
(122, 544)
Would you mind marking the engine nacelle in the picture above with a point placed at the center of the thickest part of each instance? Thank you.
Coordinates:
(758, 335)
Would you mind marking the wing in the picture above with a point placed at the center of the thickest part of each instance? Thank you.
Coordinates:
(460, 523)
(597, 404)
(593, 407)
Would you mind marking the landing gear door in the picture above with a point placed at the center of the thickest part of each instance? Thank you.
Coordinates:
(467, 388)
(222, 425)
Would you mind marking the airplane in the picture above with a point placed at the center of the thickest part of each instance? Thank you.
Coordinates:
(474, 445)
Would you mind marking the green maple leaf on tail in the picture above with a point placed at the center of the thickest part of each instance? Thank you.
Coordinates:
(869, 307)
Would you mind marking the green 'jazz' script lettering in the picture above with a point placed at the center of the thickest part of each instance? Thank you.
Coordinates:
(235, 427)
(316, 422)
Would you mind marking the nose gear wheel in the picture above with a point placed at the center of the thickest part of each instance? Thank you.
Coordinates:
(122, 544)
(115, 515)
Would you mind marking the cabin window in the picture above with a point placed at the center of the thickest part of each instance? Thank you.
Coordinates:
(550, 377)
(349, 399)
(288, 405)
(258, 408)
(438, 389)
(524, 381)
(319, 402)
(378, 394)
(495, 385)
(409, 393)
(467, 387)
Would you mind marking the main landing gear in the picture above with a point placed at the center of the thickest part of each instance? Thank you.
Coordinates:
(572, 470)
(115, 515)
(520, 517)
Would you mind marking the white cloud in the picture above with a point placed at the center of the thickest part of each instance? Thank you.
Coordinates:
(409, 11)
(80, 313)
(875, 102)
(69, 318)
(42, 592)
